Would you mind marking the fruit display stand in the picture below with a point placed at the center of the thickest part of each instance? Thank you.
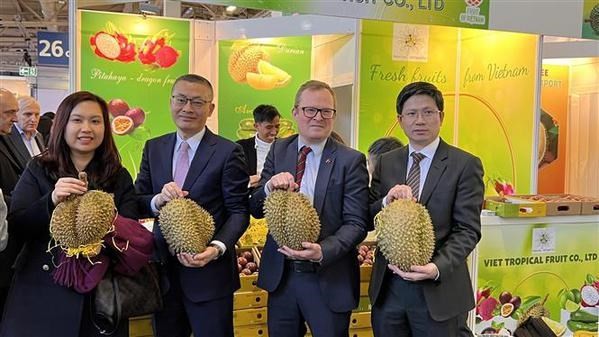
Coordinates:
(523, 261)
(249, 302)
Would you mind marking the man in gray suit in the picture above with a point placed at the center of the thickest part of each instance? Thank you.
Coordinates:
(24, 138)
(318, 284)
(431, 300)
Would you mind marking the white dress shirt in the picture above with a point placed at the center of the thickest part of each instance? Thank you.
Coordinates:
(30, 143)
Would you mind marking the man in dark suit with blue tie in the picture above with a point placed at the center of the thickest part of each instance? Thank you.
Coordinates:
(195, 163)
(431, 300)
(319, 284)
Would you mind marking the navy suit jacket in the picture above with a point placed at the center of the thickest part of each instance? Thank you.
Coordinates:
(217, 180)
(453, 195)
(341, 200)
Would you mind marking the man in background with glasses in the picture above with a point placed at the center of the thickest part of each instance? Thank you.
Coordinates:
(431, 300)
(319, 284)
(195, 163)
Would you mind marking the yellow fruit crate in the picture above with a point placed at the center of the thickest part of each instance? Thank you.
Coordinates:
(363, 304)
(249, 300)
(361, 332)
(260, 330)
(249, 316)
(141, 326)
(364, 288)
(359, 320)
(365, 272)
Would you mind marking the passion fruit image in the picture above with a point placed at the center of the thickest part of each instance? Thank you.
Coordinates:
(122, 125)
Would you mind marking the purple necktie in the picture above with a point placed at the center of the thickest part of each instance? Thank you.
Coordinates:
(301, 165)
(182, 164)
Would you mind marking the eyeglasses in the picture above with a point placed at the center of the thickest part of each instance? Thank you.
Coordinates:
(325, 113)
(426, 114)
(196, 103)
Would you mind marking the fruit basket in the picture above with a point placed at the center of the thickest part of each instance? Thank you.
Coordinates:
(248, 262)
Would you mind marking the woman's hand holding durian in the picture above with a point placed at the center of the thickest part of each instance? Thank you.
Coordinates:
(64, 187)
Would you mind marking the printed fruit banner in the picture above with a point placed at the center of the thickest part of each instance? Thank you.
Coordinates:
(260, 71)
(132, 62)
(553, 128)
(550, 269)
(489, 94)
(590, 20)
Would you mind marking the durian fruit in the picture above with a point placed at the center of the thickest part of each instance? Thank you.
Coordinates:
(291, 219)
(536, 310)
(405, 234)
(95, 214)
(186, 227)
(63, 223)
(244, 59)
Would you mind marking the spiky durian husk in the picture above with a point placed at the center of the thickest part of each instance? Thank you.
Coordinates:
(244, 58)
(63, 223)
(186, 227)
(405, 234)
(291, 219)
(95, 214)
(536, 310)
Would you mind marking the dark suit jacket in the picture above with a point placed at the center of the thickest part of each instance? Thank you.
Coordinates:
(249, 149)
(453, 194)
(217, 180)
(20, 149)
(11, 168)
(341, 200)
(58, 310)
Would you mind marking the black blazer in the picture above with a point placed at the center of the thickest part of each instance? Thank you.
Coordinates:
(249, 149)
(453, 193)
(341, 200)
(57, 310)
(217, 180)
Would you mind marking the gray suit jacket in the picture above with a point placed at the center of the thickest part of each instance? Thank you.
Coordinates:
(20, 149)
(453, 193)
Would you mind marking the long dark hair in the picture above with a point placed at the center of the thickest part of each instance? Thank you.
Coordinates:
(106, 162)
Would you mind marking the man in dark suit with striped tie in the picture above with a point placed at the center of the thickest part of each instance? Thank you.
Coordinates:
(319, 284)
(431, 300)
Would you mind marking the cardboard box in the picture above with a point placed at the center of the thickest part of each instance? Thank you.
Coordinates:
(589, 206)
(360, 320)
(363, 304)
(361, 332)
(249, 282)
(365, 272)
(260, 330)
(514, 207)
(249, 317)
(557, 204)
(364, 288)
(250, 300)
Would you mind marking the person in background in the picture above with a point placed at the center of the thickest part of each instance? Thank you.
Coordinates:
(82, 143)
(378, 147)
(432, 300)
(267, 124)
(9, 174)
(45, 125)
(195, 163)
(319, 284)
(25, 140)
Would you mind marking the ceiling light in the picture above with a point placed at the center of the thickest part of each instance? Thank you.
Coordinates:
(231, 9)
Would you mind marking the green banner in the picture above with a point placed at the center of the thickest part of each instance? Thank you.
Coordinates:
(590, 20)
(260, 71)
(481, 85)
(526, 265)
(132, 62)
(456, 13)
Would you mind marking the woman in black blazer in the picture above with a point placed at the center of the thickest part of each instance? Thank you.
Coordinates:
(81, 141)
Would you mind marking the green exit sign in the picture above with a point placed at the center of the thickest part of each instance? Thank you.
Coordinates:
(28, 71)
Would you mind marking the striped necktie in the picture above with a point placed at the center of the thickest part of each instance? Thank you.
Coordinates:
(301, 165)
(414, 174)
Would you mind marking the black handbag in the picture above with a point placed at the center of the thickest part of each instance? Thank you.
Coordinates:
(120, 296)
(534, 327)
